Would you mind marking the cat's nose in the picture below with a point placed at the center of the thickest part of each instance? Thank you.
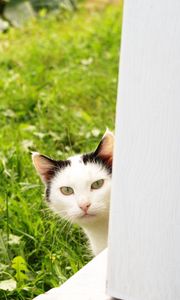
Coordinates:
(85, 206)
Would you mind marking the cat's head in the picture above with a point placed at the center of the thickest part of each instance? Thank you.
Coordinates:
(78, 188)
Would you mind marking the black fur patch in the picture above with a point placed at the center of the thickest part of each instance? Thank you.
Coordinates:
(94, 158)
(58, 165)
(62, 163)
(47, 192)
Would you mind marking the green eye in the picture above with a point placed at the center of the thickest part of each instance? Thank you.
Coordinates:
(66, 190)
(97, 184)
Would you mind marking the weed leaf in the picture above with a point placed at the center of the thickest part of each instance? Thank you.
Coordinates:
(19, 265)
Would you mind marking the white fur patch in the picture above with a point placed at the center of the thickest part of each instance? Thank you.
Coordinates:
(70, 192)
(79, 177)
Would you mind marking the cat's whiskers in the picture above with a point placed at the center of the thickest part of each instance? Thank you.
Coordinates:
(85, 179)
(71, 219)
(66, 223)
(97, 208)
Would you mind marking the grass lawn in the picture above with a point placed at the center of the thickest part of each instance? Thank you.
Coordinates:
(58, 86)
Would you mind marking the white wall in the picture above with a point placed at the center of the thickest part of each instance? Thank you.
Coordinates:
(144, 244)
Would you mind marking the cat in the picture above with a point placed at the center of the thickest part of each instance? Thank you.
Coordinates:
(79, 188)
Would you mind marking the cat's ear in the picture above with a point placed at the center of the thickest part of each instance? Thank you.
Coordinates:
(44, 166)
(105, 148)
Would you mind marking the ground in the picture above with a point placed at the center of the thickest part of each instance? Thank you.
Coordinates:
(58, 88)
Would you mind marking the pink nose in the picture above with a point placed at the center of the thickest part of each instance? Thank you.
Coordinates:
(85, 206)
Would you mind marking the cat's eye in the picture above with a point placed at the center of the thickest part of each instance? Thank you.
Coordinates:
(97, 184)
(66, 190)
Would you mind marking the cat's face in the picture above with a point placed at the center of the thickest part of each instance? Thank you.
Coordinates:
(78, 189)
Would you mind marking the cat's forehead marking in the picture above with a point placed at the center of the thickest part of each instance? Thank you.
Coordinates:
(76, 158)
(78, 166)
(78, 172)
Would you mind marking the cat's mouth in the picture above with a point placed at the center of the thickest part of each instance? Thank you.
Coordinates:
(86, 215)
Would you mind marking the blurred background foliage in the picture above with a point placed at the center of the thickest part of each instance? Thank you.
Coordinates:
(17, 12)
(58, 89)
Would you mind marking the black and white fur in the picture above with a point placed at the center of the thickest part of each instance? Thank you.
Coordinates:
(87, 207)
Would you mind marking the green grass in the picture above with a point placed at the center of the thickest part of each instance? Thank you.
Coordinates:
(58, 86)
